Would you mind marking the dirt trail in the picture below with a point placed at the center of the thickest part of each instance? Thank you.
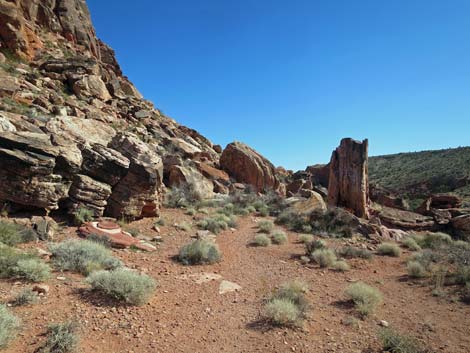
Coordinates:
(185, 316)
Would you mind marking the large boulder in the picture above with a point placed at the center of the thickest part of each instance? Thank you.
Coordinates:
(89, 193)
(183, 175)
(139, 193)
(91, 86)
(400, 219)
(461, 226)
(247, 166)
(348, 184)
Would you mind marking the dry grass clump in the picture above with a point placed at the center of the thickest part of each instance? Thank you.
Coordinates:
(82, 256)
(350, 252)
(288, 305)
(199, 252)
(182, 196)
(411, 244)
(61, 338)
(365, 298)
(217, 223)
(389, 249)
(262, 240)
(306, 238)
(341, 266)
(33, 270)
(12, 234)
(324, 257)
(25, 297)
(124, 285)
(82, 215)
(279, 237)
(395, 342)
(265, 226)
(9, 324)
(416, 269)
(432, 240)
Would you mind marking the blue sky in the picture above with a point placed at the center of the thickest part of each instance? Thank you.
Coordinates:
(291, 78)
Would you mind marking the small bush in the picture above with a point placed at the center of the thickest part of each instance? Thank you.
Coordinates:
(124, 285)
(341, 266)
(9, 323)
(389, 249)
(182, 196)
(262, 240)
(263, 211)
(324, 257)
(265, 226)
(33, 270)
(82, 256)
(365, 298)
(350, 252)
(305, 238)
(415, 269)
(191, 211)
(217, 223)
(184, 226)
(61, 338)
(394, 342)
(411, 244)
(199, 252)
(432, 240)
(25, 297)
(288, 305)
(311, 246)
(294, 221)
(279, 237)
(82, 215)
(12, 234)
(100, 239)
(9, 259)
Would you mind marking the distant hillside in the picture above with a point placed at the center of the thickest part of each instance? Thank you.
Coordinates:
(418, 174)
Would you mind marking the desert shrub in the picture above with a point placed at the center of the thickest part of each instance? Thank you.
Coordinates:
(124, 285)
(432, 240)
(395, 342)
(82, 256)
(82, 215)
(191, 211)
(411, 244)
(184, 195)
(184, 226)
(13, 234)
(33, 270)
(365, 298)
(305, 238)
(199, 252)
(341, 266)
(324, 257)
(462, 275)
(9, 259)
(294, 221)
(415, 269)
(336, 222)
(25, 297)
(288, 305)
(265, 226)
(350, 252)
(9, 323)
(100, 239)
(279, 237)
(262, 240)
(61, 338)
(389, 249)
(217, 223)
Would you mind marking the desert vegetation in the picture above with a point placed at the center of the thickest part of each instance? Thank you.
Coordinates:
(199, 252)
(366, 299)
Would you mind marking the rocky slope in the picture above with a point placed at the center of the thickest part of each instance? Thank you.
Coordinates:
(76, 132)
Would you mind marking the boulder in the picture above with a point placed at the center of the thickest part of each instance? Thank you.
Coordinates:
(461, 226)
(247, 166)
(319, 174)
(405, 220)
(211, 172)
(306, 206)
(440, 202)
(348, 184)
(139, 193)
(6, 125)
(91, 86)
(89, 193)
(180, 175)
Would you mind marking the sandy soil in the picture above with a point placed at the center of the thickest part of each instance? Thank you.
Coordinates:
(186, 316)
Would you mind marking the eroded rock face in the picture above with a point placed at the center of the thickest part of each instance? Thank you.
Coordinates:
(247, 166)
(348, 184)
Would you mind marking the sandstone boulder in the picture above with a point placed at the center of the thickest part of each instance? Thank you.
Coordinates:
(405, 220)
(180, 175)
(88, 193)
(348, 184)
(306, 206)
(91, 86)
(461, 226)
(247, 166)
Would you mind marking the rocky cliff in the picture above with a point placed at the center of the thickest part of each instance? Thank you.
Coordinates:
(75, 132)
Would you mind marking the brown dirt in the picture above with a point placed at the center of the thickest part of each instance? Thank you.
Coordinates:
(184, 316)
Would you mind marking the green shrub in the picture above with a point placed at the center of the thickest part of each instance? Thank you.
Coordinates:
(100, 239)
(311, 246)
(263, 211)
(305, 238)
(191, 211)
(432, 240)
(350, 252)
(265, 226)
(294, 221)
(124, 285)
(199, 252)
(25, 297)
(9, 259)
(336, 222)
(61, 338)
(12, 234)
(415, 269)
(217, 223)
(184, 226)
(411, 244)
(82, 256)
(395, 342)
(82, 215)
(279, 237)
(288, 305)
(389, 249)
(341, 266)
(9, 323)
(262, 240)
(365, 298)
(33, 270)
(184, 195)
(324, 257)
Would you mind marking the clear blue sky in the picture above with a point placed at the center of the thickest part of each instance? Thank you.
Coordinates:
(291, 78)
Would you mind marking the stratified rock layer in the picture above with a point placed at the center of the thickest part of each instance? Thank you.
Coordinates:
(348, 185)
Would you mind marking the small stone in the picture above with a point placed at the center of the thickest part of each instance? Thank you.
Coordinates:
(383, 323)
(61, 278)
(41, 289)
